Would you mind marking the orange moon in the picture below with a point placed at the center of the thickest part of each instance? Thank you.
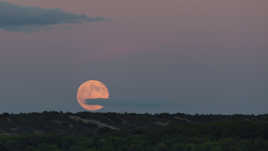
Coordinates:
(92, 89)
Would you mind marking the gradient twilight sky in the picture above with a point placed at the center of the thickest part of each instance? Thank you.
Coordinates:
(192, 56)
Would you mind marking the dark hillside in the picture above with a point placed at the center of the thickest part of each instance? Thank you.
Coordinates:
(86, 131)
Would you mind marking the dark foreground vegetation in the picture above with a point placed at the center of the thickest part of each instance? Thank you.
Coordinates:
(56, 131)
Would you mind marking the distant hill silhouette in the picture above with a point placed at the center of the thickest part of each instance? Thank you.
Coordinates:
(85, 131)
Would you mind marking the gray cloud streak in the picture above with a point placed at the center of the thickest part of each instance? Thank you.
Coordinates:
(15, 17)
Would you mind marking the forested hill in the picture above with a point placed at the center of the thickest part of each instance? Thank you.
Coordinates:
(85, 131)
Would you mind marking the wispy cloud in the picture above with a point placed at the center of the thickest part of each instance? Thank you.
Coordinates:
(15, 17)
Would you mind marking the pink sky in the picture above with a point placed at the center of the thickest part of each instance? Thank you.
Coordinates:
(169, 49)
(160, 8)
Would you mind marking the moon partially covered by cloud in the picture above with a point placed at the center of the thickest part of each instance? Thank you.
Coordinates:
(91, 89)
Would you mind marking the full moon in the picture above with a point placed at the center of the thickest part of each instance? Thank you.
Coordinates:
(91, 89)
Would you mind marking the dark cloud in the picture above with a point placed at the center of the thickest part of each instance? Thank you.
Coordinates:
(15, 17)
